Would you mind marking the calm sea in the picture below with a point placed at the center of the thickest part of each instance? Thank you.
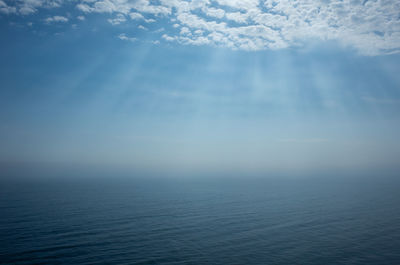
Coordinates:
(200, 221)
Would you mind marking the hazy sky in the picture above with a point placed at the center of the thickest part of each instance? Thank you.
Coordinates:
(219, 85)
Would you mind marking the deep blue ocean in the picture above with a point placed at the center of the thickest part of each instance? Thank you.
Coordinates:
(198, 220)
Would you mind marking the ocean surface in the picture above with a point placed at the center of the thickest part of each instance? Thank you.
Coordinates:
(200, 221)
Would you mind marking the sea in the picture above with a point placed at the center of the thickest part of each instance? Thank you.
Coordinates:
(200, 220)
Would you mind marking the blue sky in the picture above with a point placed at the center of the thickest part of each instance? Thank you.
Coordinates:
(260, 86)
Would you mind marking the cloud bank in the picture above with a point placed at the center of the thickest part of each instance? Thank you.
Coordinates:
(370, 26)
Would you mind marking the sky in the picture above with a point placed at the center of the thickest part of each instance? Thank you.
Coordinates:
(222, 85)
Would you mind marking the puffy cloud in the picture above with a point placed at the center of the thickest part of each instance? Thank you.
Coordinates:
(237, 17)
(84, 8)
(26, 7)
(26, 10)
(139, 16)
(240, 4)
(6, 9)
(117, 20)
(123, 6)
(185, 31)
(371, 27)
(168, 38)
(136, 15)
(105, 7)
(56, 19)
(215, 12)
(123, 36)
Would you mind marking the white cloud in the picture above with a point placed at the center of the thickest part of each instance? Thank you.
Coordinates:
(6, 9)
(26, 7)
(84, 8)
(371, 27)
(139, 16)
(105, 6)
(81, 18)
(185, 31)
(117, 20)
(26, 10)
(215, 12)
(126, 38)
(240, 4)
(136, 16)
(168, 38)
(237, 17)
(159, 30)
(56, 19)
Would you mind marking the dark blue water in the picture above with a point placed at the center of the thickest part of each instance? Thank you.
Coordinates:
(225, 221)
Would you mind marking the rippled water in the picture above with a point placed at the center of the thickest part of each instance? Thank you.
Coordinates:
(119, 221)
